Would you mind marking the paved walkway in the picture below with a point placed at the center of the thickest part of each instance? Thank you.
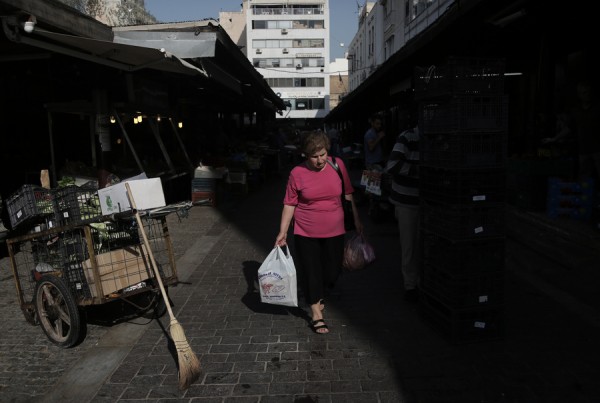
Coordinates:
(380, 348)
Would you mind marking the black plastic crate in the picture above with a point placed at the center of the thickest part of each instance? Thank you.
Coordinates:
(76, 279)
(111, 235)
(47, 253)
(30, 204)
(460, 326)
(464, 257)
(76, 204)
(460, 222)
(464, 290)
(464, 150)
(74, 245)
(464, 114)
(464, 187)
(461, 76)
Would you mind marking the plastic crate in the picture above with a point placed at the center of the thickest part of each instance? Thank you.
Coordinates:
(460, 326)
(237, 177)
(574, 200)
(204, 185)
(464, 114)
(210, 197)
(464, 290)
(462, 186)
(464, 257)
(464, 150)
(560, 187)
(457, 222)
(461, 76)
(111, 235)
(78, 284)
(30, 204)
(76, 204)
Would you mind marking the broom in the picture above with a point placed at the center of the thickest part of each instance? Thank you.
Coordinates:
(189, 365)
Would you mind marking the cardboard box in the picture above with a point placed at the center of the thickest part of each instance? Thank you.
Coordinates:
(147, 193)
(119, 269)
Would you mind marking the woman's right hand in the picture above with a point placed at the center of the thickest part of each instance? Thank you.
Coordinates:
(281, 239)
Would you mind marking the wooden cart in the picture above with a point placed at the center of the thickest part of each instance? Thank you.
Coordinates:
(59, 272)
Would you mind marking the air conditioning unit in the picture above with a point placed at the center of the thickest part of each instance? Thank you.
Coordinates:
(298, 66)
(284, 31)
(258, 51)
(286, 51)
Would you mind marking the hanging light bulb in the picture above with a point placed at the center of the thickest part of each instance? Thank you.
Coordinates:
(112, 119)
(158, 118)
(135, 120)
(140, 118)
(180, 124)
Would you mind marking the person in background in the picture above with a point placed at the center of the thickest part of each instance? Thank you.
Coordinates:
(403, 166)
(372, 143)
(586, 119)
(335, 148)
(313, 200)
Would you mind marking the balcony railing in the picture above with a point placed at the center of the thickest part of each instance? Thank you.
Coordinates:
(287, 11)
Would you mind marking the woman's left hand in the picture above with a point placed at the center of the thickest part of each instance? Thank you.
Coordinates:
(358, 225)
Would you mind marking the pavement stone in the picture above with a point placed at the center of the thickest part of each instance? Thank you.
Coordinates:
(380, 348)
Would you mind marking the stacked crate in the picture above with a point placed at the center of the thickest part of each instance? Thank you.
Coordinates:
(38, 208)
(204, 186)
(572, 200)
(463, 128)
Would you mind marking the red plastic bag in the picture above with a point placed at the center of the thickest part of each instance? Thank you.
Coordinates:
(358, 253)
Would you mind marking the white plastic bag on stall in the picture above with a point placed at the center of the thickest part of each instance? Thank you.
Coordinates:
(277, 279)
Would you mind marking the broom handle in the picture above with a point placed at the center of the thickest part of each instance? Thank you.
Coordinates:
(147, 244)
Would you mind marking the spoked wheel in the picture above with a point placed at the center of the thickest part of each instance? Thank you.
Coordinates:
(57, 312)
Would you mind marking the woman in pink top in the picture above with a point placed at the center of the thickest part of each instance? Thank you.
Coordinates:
(313, 200)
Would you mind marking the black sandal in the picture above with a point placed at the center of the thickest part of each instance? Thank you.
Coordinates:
(316, 327)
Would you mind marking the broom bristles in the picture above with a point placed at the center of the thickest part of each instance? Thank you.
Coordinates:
(189, 365)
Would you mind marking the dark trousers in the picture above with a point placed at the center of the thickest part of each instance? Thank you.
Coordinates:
(319, 262)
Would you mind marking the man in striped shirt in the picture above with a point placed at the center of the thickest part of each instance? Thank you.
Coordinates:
(403, 166)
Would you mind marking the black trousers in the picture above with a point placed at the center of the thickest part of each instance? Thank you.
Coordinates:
(318, 262)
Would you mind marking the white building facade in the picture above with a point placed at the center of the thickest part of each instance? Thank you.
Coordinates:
(287, 41)
(384, 27)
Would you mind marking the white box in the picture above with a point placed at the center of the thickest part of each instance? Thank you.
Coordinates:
(147, 194)
(207, 172)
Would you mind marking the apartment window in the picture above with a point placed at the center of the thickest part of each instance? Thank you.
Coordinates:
(288, 24)
(288, 62)
(310, 62)
(305, 103)
(272, 43)
(308, 24)
(309, 43)
(278, 82)
(275, 82)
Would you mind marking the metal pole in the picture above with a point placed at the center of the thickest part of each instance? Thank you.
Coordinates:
(52, 156)
(155, 131)
(187, 157)
(135, 156)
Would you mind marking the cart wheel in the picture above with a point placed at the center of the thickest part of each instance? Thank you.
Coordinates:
(57, 311)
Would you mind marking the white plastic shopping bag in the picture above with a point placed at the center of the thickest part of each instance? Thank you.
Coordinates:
(277, 279)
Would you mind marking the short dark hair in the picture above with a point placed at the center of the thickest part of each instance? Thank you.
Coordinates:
(315, 141)
(375, 116)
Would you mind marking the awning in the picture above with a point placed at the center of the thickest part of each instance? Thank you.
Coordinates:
(184, 44)
(119, 56)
